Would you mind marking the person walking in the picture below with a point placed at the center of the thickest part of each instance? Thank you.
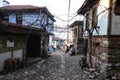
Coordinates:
(72, 50)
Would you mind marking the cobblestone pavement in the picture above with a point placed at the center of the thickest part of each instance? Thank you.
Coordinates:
(59, 66)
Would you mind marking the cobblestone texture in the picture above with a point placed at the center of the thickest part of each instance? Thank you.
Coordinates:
(59, 66)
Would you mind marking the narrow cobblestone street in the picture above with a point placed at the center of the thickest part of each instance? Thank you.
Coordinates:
(59, 66)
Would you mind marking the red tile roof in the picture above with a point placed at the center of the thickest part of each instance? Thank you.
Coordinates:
(22, 8)
(19, 7)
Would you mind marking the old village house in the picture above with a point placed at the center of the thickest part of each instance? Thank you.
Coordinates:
(77, 36)
(102, 28)
(24, 32)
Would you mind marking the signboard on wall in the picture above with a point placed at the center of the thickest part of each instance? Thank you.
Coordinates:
(10, 43)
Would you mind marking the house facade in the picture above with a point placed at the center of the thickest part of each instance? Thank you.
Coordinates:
(102, 29)
(77, 36)
(25, 32)
(57, 42)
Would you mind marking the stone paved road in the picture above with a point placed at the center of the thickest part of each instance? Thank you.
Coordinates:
(59, 66)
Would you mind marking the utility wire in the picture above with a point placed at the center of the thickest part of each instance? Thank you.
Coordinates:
(60, 19)
(65, 14)
(106, 9)
(65, 20)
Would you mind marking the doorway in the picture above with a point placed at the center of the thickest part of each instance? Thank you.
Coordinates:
(33, 47)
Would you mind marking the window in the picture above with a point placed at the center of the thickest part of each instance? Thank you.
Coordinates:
(6, 17)
(19, 19)
(117, 7)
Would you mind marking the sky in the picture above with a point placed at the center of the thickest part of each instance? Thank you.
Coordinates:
(58, 8)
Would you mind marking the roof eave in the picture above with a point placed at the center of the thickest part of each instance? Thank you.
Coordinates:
(52, 17)
(76, 23)
(87, 5)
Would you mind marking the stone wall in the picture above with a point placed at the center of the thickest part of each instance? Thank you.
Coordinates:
(114, 56)
(7, 52)
(18, 42)
(106, 50)
(100, 51)
(80, 46)
(44, 45)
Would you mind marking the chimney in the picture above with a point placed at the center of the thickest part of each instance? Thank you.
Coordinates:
(5, 3)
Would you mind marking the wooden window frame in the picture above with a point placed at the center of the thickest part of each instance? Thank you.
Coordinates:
(6, 17)
(19, 19)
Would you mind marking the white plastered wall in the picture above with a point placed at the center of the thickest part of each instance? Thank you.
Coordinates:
(7, 55)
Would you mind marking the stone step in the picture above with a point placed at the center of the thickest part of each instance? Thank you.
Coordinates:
(33, 60)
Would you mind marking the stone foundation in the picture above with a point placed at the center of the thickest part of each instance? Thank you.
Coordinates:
(107, 53)
(10, 52)
(80, 44)
(100, 51)
(18, 42)
(114, 56)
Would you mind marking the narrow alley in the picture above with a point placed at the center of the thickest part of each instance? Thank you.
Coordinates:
(59, 66)
(42, 40)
